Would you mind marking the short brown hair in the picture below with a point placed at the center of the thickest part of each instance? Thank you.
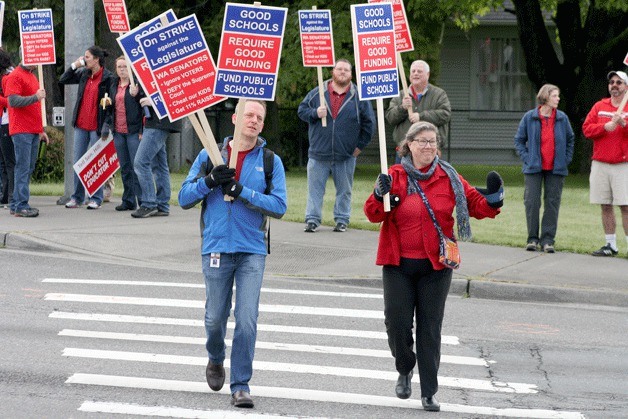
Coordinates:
(544, 93)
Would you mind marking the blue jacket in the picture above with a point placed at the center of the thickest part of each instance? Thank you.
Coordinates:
(238, 225)
(528, 143)
(353, 127)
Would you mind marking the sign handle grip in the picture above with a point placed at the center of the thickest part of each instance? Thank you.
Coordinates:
(383, 159)
(321, 92)
(40, 73)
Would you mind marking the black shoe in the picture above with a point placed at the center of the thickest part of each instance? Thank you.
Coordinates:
(123, 207)
(605, 251)
(430, 404)
(241, 398)
(404, 385)
(340, 227)
(161, 213)
(215, 375)
(27, 213)
(310, 228)
(143, 212)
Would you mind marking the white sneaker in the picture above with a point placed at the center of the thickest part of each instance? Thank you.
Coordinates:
(92, 205)
(72, 204)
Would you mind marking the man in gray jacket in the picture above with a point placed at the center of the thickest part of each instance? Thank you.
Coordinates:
(424, 102)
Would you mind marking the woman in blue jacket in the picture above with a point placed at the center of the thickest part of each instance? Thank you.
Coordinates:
(545, 143)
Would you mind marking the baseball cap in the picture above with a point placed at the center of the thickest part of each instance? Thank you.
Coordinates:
(619, 74)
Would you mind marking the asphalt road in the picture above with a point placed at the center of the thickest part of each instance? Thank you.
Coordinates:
(81, 337)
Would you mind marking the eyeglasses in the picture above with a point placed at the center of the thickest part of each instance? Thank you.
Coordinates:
(424, 143)
(617, 82)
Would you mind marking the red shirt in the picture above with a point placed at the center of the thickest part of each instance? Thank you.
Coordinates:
(241, 156)
(336, 99)
(26, 119)
(548, 145)
(120, 110)
(87, 118)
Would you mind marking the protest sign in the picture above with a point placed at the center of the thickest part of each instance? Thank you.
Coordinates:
(317, 44)
(376, 63)
(135, 56)
(37, 37)
(97, 165)
(117, 16)
(179, 59)
(1, 20)
(626, 60)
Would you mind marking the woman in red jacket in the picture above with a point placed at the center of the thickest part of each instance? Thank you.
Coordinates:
(414, 279)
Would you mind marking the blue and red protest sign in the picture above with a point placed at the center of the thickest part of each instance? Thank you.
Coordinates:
(317, 41)
(37, 37)
(250, 48)
(374, 48)
(134, 53)
(403, 40)
(184, 70)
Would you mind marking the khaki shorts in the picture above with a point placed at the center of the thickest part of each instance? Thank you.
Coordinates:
(608, 183)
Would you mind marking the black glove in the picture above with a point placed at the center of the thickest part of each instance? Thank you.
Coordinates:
(219, 175)
(233, 188)
(382, 186)
(494, 192)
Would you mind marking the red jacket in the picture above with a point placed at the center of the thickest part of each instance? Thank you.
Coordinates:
(608, 147)
(440, 195)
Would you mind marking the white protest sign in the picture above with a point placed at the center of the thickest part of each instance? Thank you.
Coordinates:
(97, 165)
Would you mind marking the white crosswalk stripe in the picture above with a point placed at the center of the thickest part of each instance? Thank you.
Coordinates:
(115, 332)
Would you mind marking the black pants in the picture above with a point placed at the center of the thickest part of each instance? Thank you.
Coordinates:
(7, 158)
(415, 287)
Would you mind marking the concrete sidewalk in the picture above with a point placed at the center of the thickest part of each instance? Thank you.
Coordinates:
(173, 242)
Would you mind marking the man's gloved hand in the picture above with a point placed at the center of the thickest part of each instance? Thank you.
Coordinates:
(219, 175)
(382, 186)
(494, 192)
(233, 188)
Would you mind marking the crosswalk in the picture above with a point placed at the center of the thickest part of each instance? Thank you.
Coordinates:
(299, 341)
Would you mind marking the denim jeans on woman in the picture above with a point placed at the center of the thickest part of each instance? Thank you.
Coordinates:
(26, 147)
(248, 270)
(126, 148)
(151, 159)
(553, 189)
(317, 174)
(83, 141)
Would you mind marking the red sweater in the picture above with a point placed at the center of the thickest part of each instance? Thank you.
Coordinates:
(608, 147)
(27, 119)
(440, 195)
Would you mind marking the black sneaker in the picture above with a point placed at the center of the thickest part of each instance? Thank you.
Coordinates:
(27, 213)
(340, 228)
(310, 228)
(605, 251)
(123, 207)
(160, 213)
(143, 212)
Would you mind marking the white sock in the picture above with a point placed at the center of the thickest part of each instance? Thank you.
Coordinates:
(612, 240)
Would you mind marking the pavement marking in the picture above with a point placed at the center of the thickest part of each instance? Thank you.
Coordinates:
(172, 412)
(191, 285)
(474, 384)
(172, 302)
(314, 395)
(121, 318)
(280, 346)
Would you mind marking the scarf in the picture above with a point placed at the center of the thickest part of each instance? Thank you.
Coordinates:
(462, 211)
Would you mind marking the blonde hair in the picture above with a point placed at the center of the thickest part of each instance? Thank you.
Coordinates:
(544, 93)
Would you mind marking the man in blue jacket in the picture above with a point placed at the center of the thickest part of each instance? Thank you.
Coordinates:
(234, 245)
(334, 148)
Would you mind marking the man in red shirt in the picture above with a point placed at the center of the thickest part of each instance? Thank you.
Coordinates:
(26, 129)
(606, 126)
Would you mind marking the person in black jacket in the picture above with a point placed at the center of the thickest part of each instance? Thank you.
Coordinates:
(124, 119)
(94, 81)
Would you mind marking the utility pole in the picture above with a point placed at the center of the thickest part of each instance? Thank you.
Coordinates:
(79, 35)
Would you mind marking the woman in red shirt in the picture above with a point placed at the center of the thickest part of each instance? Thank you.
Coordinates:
(414, 279)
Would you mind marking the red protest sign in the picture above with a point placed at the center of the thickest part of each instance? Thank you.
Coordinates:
(37, 37)
(317, 42)
(97, 165)
(402, 28)
(117, 16)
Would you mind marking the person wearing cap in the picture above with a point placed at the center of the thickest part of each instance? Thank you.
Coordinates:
(606, 126)
(545, 143)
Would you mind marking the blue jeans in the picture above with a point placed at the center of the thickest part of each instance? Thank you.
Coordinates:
(248, 270)
(317, 174)
(26, 147)
(83, 140)
(151, 160)
(553, 189)
(126, 148)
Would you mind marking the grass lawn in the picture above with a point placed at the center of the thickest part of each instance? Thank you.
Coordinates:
(579, 224)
